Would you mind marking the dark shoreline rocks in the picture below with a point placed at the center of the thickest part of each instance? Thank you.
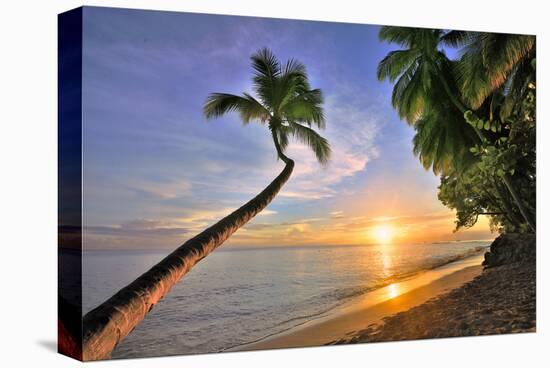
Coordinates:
(511, 248)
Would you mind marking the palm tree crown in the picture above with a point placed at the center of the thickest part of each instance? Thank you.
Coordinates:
(415, 69)
(285, 102)
(442, 140)
(424, 96)
(493, 61)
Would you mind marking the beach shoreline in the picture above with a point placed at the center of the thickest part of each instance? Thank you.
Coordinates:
(345, 323)
(485, 294)
(501, 300)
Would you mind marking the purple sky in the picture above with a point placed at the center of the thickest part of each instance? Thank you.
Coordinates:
(155, 172)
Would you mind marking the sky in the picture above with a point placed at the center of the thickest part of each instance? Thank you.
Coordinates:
(155, 172)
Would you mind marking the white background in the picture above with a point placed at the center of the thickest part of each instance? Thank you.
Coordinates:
(28, 183)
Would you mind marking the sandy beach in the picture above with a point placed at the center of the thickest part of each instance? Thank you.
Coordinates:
(455, 300)
(352, 319)
(500, 300)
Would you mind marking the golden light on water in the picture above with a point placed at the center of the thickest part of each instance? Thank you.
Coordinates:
(383, 233)
(393, 291)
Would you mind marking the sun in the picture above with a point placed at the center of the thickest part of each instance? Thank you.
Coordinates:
(383, 233)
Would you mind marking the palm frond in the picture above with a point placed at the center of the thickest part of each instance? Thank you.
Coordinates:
(517, 83)
(309, 137)
(295, 68)
(306, 108)
(218, 104)
(266, 71)
(472, 79)
(408, 96)
(266, 64)
(487, 62)
(455, 38)
(282, 134)
(402, 36)
(293, 81)
(501, 52)
(393, 65)
(285, 100)
(414, 69)
(442, 141)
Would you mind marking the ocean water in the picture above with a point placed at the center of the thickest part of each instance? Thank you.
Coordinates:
(237, 296)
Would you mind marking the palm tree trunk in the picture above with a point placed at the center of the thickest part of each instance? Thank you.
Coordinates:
(508, 204)
(459, 105)
(280, 153)
(105, 326)
(517, 199)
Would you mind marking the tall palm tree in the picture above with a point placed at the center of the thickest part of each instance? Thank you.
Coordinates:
(290, 108)
(425, 97)
(420, 68)
(424, 78)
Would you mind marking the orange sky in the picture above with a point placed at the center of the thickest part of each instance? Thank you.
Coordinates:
(339, 229)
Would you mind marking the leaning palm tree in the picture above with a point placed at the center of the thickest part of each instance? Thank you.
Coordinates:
(290, 108)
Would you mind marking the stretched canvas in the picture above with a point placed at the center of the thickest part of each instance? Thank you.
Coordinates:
(233, 183)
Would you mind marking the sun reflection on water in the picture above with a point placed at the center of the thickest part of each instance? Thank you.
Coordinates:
(393, 291)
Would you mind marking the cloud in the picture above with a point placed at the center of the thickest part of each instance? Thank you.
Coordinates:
(364, 222)
(169, 189)
(148, 228)
(299, 223)
(352, 129)
(201, 218)
(298, 230)
(306, 193)
(267, 212)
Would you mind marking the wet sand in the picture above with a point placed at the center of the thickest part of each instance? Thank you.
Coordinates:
(351, 321)
(501, 300)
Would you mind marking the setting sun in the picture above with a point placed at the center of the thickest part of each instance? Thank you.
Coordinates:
(383, 233)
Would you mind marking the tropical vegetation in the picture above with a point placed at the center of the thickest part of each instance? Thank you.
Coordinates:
(474, 118)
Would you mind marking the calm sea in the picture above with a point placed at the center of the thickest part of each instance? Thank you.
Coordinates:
(236, 296)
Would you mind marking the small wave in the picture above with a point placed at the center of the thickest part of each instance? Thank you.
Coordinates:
(415, 272)
(339, 297)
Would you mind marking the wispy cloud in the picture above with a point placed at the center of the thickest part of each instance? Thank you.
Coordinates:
(352, 128)
(201, 218)
(136, 234)
(161, 189)
(138, 228)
